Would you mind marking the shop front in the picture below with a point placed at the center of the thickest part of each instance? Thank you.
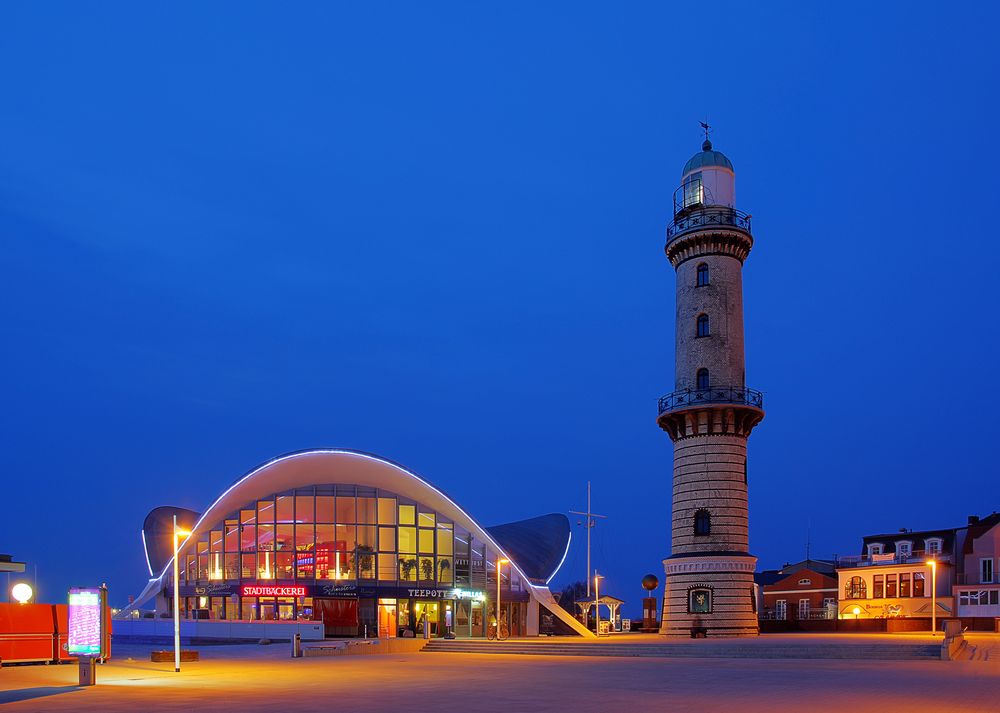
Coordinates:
(348, 610)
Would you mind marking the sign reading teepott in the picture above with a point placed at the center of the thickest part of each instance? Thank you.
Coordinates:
(85, 626)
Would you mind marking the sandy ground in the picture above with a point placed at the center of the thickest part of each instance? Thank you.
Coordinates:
(264, 678)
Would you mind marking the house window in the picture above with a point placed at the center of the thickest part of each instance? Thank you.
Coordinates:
(803, 609)
(904, 584)
(702, 523)
(700, 601)
(703, 330)
(702, 275)
(986, 571)
(702, 379)
(856, 589)
(904, 549)
(780, 609)
(918, 584)
(874, 548)
(878, 586)
(805, 582)
(890, 586)
(933, 546)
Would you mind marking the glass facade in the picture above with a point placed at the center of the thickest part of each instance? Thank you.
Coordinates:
(360, 559)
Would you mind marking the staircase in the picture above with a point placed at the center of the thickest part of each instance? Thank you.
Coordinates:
(739, 649)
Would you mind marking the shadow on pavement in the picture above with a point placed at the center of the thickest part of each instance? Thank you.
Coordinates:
(26, 694)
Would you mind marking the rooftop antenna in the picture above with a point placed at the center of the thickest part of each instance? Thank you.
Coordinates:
(589, 525)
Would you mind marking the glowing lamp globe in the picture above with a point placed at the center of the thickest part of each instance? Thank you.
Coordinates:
(650, 582)
(21, 592)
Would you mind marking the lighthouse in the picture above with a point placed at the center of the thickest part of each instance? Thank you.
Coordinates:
(711, 411)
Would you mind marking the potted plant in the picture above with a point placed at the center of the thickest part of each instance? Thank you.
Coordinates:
(406, 567)
(366, 562)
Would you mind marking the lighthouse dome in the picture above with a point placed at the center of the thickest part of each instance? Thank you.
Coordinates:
(707, 158)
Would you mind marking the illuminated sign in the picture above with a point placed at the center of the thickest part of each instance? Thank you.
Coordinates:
(459, 593)
(272, 590)
(85, 612)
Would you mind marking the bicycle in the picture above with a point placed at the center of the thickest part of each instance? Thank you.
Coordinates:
(492, 634)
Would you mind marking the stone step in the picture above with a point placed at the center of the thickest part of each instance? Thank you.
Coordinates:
(828, 651)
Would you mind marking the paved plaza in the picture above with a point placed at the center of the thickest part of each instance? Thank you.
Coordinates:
(263, 678)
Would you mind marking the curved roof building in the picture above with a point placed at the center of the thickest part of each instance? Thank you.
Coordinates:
(359, 543)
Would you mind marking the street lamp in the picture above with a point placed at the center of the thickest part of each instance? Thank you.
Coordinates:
(597, 605)
(178, 533)
(933, 564)
(857, 612)
(500, 561)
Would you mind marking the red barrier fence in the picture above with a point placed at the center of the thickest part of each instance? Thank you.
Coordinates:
(37, 633)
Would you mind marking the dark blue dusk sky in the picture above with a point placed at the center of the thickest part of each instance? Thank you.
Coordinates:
(435, 233)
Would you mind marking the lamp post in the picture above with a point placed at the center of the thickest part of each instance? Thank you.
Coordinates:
(597, 603)
(933, 564)
(500, 561)
(177, 604)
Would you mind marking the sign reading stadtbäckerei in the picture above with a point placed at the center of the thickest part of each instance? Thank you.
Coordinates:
(84, 622)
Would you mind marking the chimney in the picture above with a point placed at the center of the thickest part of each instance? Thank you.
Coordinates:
(973, 519)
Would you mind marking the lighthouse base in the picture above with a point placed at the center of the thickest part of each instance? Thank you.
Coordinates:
(711, 594)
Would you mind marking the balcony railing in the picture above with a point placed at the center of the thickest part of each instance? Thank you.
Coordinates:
(696, 218)
(715, 395)
(794, 614)
(915, 557)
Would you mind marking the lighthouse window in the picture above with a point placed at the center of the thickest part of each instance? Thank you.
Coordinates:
(702, 275)
(702, 379)
(703, 325)
(702, 523)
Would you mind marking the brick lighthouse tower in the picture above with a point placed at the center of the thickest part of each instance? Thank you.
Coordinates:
(709, 415)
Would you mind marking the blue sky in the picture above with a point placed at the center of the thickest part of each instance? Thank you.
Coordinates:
(435, 233)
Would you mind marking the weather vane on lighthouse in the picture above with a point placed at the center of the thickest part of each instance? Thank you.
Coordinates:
(706, 128)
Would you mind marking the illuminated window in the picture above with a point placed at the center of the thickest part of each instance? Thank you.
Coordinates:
(702, 275)
(426, 541)
(693, 192)
(703, 330)
(890, 586)
(702, 380)
(702, 523)
(918, 584)
(408, 540)
(856, 589)
(386, 511)
(878, 586)
(407, 515)
(904, 584)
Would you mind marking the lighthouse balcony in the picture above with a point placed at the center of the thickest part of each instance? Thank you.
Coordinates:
(699, 217)
(686, 398)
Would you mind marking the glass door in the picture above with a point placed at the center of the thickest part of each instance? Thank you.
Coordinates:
(387, 618)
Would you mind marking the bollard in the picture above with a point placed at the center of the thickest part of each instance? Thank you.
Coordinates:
(88, 671)
(427, 628)
(297, 646)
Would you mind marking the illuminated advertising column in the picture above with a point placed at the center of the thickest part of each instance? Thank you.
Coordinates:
(87, 628)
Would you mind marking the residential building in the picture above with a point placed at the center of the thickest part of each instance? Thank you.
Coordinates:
(977, 586)
(799, 592)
